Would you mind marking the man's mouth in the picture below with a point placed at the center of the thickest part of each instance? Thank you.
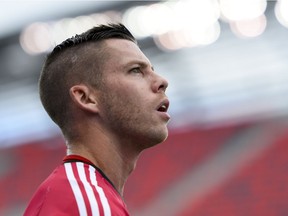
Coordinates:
(163, 107)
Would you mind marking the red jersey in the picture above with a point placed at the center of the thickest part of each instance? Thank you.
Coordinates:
(76, 187)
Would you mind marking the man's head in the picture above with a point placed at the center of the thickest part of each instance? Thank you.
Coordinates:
(102, 80)
(77, 60)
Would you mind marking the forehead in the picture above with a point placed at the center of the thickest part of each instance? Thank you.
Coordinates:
(122, 52)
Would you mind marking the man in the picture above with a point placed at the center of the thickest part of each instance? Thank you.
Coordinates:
(103, 93)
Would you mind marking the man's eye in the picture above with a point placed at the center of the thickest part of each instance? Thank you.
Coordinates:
(136, 70)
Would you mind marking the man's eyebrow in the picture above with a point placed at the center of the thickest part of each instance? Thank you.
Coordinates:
(145, 65)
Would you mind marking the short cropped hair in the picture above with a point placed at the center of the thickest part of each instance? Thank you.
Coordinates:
(74, 61)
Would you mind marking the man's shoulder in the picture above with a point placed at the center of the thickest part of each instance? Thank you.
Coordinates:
(51, 193)
(74, 187)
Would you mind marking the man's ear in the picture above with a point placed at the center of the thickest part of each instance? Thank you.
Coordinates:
(84, 97)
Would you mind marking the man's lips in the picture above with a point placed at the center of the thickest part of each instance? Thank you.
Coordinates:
(163, 106)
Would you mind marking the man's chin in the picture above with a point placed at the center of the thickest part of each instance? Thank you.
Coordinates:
(157, 139)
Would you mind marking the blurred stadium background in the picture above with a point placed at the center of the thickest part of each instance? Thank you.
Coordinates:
(227, 63)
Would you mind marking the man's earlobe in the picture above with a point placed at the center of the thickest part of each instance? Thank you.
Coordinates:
(84, 98)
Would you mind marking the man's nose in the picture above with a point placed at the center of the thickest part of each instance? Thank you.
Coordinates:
(160, 84)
